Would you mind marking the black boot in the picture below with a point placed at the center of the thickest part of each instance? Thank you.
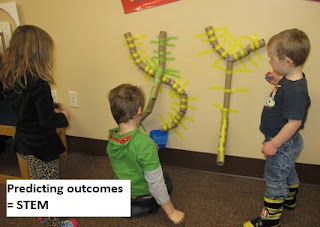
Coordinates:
(270, 215)
(290, 202)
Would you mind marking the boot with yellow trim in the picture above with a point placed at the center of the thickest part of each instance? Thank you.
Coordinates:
(270, 215)
(290, 202)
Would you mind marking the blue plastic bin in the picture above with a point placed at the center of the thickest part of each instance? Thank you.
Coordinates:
(160, 137)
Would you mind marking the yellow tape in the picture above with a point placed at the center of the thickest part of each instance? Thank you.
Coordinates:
(178, 134)
(243, 54)
(192, 98)
(252, 61)
(224, 53)
(235, 55)
(218, 47)
(230, 90)
(188, 118)
(213, 38)
(200, 35)
(184, 106)
(205, 52)
(176, 121)
(219, 67)
(146, 68)
(173, 108)
(165, 128)
(137, 53)
(184, 100)
(258, 55)
(142, 58)
(139, 36)
(256, 41)
(221, 150)
(216, 88)
(150, 72)
(129, 38)
(164, 78)
(180, 90)
(225, 110)
(132, 45)
(175, 85)
(210, 32)
(137, 60)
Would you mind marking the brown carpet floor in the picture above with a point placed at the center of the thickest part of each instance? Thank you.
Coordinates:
(207, 199)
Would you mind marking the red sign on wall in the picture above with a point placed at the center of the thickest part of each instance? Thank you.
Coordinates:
(130, 6)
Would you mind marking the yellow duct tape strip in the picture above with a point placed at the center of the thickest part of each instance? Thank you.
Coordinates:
(258, 55)
(253, 61)
(164, 123)
(137, 60)
(175, 85)
(133, 44)
(225, 110)
(185, 106)
(173, 108)
(219, 67)
(188, 118)
(200, 35)
(217, 47)
(210, 32)
(256, 41)
(229, 90)
(129, 38)
(180, 90)
(178, 134)
(224, 53)
(165, 78)
(192, 98)
(205, 52)
(139, 36)
(137, 53)
(213, 38)
(178, 117)
(140, 59)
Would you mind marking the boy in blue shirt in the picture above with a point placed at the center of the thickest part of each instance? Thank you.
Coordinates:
(283, 115)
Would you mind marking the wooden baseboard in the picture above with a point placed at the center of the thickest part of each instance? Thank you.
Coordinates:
(241, 166)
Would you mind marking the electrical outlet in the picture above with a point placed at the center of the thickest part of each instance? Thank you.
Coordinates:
(73, 99)
(54, 96)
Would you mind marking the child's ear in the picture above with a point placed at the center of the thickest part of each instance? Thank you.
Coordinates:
(290, 61)
(139, 111)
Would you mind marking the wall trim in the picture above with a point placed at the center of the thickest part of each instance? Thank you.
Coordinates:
(240, 166)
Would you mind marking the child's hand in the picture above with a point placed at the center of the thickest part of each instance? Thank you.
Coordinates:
(272, 78)
(177, 217)
(268, 149)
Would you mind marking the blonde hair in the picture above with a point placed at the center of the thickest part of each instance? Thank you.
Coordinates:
(125, 100)
(30, 52)
(291, 43)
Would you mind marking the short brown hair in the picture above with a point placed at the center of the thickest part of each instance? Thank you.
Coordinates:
(30, 52)
(125, 101)
(291, 43)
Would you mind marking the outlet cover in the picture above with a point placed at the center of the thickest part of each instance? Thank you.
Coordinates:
(73, 99)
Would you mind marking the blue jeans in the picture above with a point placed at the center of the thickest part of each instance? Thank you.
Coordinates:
(280, 169)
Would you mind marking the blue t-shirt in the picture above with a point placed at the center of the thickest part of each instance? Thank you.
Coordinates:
(289, 100)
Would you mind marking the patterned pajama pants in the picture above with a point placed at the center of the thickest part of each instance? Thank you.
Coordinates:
(41, 170)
